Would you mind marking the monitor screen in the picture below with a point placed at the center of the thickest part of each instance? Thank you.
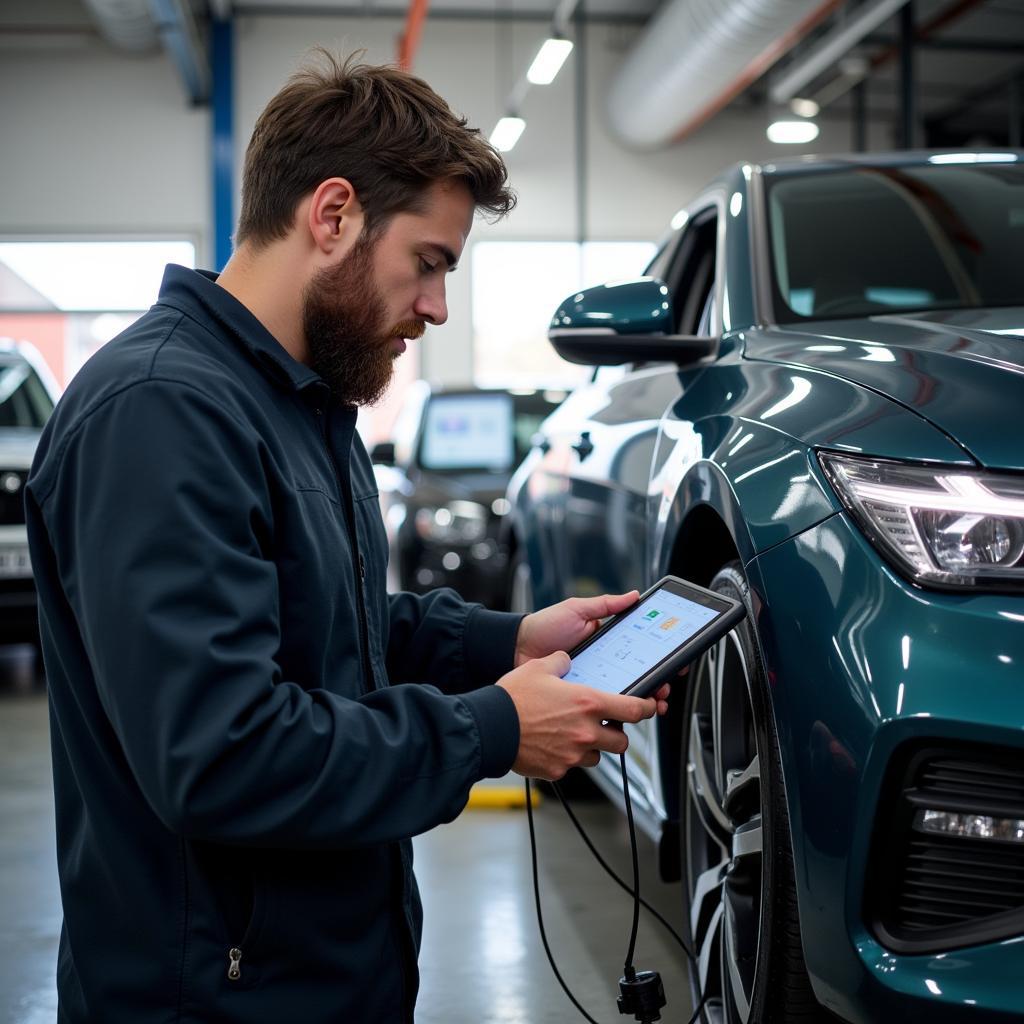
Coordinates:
(468, 432)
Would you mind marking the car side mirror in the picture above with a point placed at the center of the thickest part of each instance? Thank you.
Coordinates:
(624, 322)
(383, 453)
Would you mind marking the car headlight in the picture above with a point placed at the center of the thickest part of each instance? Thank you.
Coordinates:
(941, 524)
(458, 522)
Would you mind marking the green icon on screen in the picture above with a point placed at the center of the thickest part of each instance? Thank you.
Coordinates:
(652, 614)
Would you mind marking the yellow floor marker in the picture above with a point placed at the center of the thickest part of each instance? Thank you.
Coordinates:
(506, 792)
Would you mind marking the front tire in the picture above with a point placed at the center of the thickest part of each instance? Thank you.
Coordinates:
(739, 894)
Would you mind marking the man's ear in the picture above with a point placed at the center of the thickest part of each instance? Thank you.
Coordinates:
(335, 217)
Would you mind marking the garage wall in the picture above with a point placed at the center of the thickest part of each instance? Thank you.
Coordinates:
(95, 143)
(106, 142)
(473, 65)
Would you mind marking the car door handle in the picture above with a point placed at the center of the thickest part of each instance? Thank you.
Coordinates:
(584, 446)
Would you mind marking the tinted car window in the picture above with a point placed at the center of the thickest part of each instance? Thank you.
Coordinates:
(880, 239)
(23, 399)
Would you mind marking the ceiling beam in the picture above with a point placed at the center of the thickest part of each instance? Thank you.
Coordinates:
(953, 45)
(350, 10)
(409, 41)
(974, 96)
(177, 30)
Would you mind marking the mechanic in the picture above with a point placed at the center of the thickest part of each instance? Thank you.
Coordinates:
(246, 728)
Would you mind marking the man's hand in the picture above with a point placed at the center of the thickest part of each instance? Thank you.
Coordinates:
(560, 723)
(567, 624)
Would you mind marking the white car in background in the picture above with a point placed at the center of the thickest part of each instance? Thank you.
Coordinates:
(28, 394)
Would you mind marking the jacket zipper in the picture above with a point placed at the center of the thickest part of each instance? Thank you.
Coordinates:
(234, 964)
(359, 562)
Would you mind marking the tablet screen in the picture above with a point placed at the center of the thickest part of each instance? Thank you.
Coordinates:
(648, 634)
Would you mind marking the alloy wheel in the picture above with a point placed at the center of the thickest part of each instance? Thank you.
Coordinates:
(722, 836)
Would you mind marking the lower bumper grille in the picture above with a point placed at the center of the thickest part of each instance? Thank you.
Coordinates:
(964, 884)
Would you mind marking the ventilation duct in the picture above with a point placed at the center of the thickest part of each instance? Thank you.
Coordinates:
(697, 55)
(125, 24)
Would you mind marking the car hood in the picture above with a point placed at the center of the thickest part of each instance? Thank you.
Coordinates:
(962, 370)
(439, 488)
(17, 447)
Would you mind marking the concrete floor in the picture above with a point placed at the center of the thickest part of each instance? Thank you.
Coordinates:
(482, 958)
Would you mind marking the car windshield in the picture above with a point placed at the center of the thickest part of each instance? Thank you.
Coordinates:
(867, 240)
(23, 399)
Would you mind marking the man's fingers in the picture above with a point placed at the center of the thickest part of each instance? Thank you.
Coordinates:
(557, 663)
(614, 741)
(617, 707)
(605, 604)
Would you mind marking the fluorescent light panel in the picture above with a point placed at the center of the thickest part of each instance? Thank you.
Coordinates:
(804, 107)
(792, 132)
(506, 133)
(549, 61)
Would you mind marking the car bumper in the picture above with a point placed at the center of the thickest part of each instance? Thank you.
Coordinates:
(475, 572)
(862, 666)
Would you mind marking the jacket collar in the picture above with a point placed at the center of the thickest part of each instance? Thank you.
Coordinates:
(196, 292)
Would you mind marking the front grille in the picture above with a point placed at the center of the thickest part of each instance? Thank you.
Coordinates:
(12, 498)
(928, 892)
(953, 780)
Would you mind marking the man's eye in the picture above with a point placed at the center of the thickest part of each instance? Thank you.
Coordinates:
(426, 267)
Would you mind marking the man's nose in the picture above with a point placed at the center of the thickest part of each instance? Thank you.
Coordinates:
(432, 306)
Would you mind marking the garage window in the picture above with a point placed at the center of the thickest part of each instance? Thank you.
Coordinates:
(67, 298)
(517, 286)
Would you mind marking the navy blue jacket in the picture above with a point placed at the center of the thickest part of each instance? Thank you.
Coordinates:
(246, 727)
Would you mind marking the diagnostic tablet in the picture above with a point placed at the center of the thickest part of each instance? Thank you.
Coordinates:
(641, 648)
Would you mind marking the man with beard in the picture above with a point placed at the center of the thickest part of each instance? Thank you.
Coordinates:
(247, 729)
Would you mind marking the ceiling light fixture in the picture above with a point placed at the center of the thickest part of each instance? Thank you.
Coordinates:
(549, 61)
(803, 107)
(506, 133)
(792, 132)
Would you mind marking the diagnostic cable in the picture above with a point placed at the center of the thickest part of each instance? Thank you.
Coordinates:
(641, 992)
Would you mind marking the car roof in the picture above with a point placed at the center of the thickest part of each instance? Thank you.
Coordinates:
(899, 158)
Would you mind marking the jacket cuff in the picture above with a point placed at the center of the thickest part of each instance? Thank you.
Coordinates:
(489, 644)
(497, 723)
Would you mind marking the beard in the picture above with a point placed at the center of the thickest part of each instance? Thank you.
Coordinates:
(344, 316)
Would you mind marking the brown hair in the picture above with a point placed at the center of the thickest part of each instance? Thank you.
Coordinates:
(383, 129)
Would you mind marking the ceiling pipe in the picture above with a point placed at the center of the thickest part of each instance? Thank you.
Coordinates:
(944, 18)
(125, 24)
(177, 30)
(837, 43)
(698, 55)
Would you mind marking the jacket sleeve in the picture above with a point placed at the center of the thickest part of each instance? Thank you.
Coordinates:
(455, 645)
(161, 522)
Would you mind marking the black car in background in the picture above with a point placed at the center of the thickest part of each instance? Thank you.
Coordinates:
(27, 397)
(442, 482)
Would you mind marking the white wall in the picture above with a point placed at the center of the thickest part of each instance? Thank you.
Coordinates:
(97, 142)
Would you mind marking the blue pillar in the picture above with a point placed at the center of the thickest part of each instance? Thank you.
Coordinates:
(223, 149)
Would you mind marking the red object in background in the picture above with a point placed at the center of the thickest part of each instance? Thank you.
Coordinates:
(409, 40)
(46, 331)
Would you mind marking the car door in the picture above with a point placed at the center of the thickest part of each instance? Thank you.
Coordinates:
(610, 448)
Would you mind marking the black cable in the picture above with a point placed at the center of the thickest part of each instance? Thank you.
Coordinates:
(629, 970)
(540, 916)
(610, 871)
(637, 899)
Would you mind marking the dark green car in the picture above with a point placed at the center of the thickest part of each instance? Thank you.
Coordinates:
(815, 402)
